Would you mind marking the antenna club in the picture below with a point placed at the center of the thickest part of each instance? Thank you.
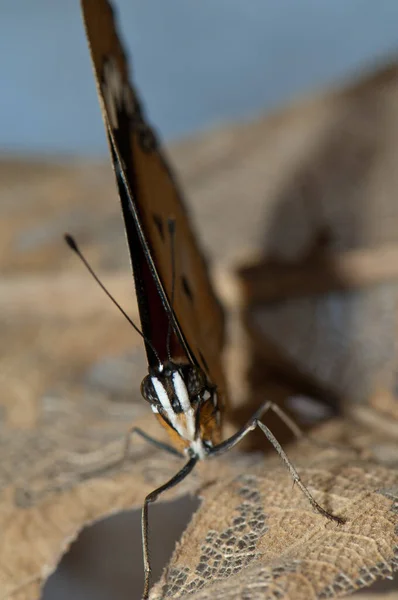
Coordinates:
(71, 242)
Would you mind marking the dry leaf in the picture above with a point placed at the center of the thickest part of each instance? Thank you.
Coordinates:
(70, 369)
(254, 537)
(334, 218)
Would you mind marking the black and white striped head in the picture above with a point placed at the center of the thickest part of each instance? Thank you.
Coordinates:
(178, 393)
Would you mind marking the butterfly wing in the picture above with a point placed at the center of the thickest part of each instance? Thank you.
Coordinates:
(150, 197)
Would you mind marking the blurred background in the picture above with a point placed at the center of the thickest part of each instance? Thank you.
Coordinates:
(196, 65)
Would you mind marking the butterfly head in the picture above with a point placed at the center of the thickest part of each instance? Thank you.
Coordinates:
(186, 404)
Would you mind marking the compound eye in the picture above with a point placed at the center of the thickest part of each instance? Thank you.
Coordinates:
(148, 391)
(195, 380)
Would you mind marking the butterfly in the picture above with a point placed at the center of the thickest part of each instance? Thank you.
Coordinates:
(182, 322)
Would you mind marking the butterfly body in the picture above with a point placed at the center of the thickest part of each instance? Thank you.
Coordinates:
(182, 321)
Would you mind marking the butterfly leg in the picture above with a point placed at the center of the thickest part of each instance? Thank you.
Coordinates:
(290, 424)
(301, 435)
(178, 477)
(148, 438)
(256, 422)
(298, 433)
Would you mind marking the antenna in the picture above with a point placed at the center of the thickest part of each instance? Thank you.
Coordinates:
(73, 246)
(171, 223)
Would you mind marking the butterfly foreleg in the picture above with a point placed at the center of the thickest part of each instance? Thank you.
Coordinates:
(177, 478)
(256, 422)
(157, 443)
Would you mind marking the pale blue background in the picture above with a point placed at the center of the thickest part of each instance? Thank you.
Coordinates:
(197, 63)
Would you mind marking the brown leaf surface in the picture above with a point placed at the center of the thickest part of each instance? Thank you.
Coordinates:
(70, 368)
(254, 537)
